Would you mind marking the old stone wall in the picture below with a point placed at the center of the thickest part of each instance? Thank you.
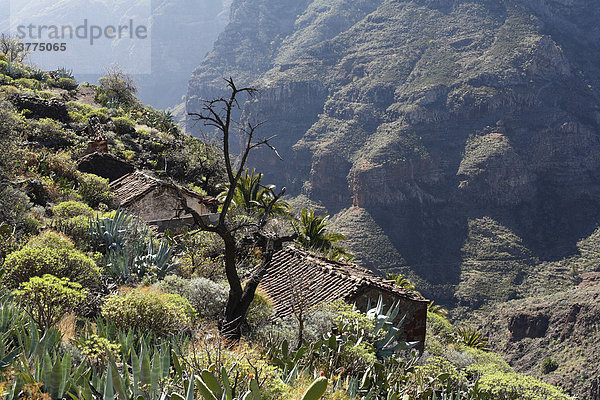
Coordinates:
(162, 204)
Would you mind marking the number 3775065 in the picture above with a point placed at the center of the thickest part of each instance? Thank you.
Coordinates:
(42, 46)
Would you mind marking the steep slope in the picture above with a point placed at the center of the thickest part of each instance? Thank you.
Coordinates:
(428, 114)
(562, 327)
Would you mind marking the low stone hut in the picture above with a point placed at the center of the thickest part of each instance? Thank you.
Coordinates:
(157, 202)
(297, 276)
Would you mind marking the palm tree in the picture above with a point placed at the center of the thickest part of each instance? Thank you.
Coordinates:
(313, 235)
(252, 197)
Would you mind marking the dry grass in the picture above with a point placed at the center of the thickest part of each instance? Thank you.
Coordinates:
(67, 326)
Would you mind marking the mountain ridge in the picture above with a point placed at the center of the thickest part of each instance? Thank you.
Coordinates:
(428, 115)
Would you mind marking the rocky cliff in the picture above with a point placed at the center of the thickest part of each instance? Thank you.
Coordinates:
(432, 124)
(563, 328)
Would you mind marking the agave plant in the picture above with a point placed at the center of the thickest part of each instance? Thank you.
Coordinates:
(158, 262)
(119, 265)
(471, 337)
(11, 317)
(39, 75)
(213, 387)
(39, 361)
(139, 369)
(128, 264)
(111, 230)
(389, 342)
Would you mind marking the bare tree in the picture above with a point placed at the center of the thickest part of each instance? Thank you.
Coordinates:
(299, 301)
(12, 47)
(218, 114)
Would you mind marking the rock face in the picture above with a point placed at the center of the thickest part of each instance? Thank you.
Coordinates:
(40, 108)
(427, 114)
(527, 326)
(107, 166)
(562, 326)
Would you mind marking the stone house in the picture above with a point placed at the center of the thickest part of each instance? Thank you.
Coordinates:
(297, 278)
(157, 202)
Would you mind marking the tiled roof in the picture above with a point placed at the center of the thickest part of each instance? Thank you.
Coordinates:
(294, 272)
(136, 185)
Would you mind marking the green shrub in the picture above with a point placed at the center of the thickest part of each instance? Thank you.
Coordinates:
(48, 298)
(51, 239)
(206, 296)
(5, 79)
(436, 366)
(51, 164)
(79, 107)
(22, 265)
(15, 71)
(77, 117)
(94, 190)
(49, 132)
(508, 386)
(549, 365)
(65, 83)
(128, 155)
(123, 125)
(117, 89)
(148, 309)
(14, 206)
(486, 362)
(260, 311)
(102, 114)
(175, 285)
(11, 133)
(46, 95)
(98, 349)
(28, 83)
(9, 90)
(440, 326)
(73, 219)
(70, 209)
(77, 228)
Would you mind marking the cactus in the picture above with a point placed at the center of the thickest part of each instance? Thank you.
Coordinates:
(211, 388)
(316, 390)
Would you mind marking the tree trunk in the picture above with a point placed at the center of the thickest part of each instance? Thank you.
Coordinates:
(238, 305)
(300, 332)
(234, 314)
